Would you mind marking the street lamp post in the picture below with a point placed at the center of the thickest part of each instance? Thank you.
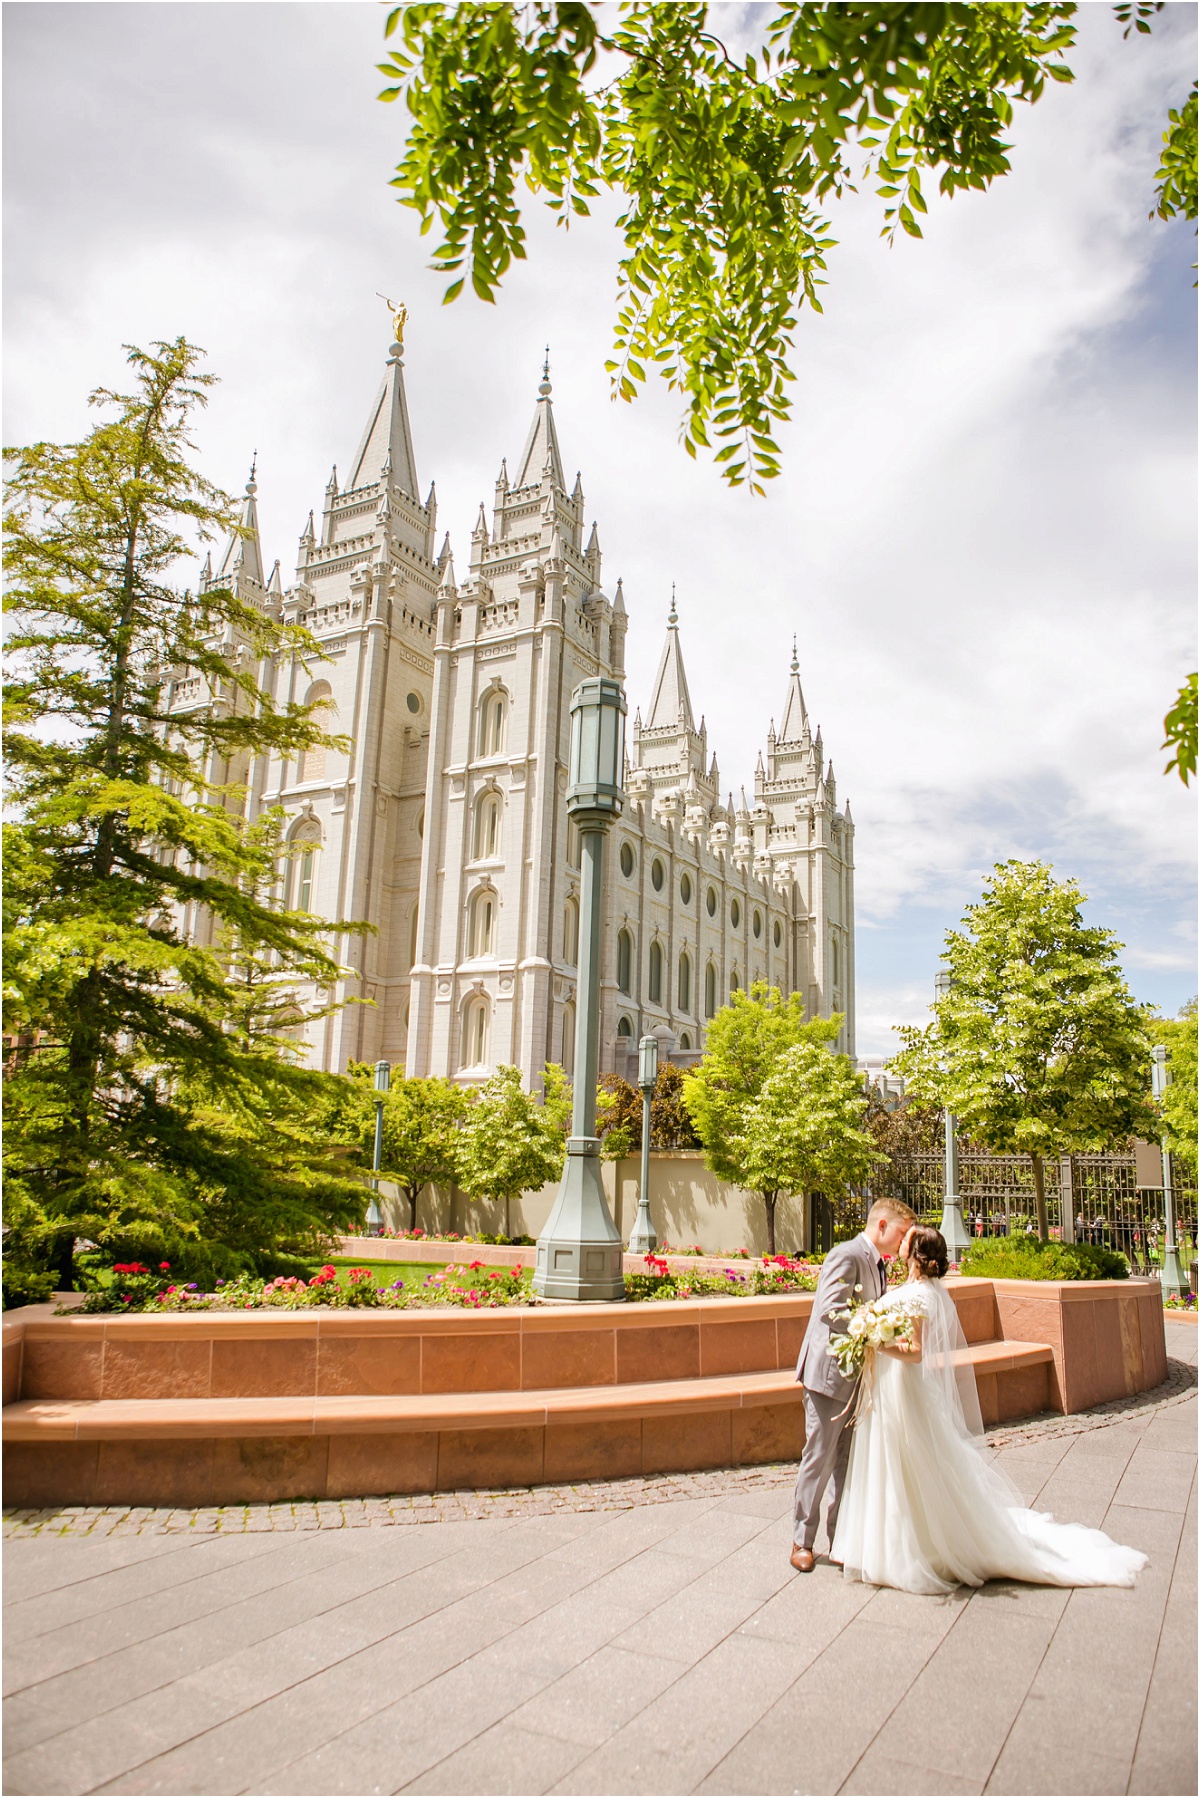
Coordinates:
(1173, 1283)
(383, 1076)
(643, 1240)
(579, 1251)
(953, 1229)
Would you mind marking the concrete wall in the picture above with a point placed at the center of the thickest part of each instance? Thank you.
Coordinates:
(687, 1203)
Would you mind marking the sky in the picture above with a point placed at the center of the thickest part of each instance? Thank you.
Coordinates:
(983, 537)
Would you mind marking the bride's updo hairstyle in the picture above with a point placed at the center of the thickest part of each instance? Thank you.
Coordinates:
(927, 1252)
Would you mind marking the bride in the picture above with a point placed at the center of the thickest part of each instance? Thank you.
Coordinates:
(924, 1509)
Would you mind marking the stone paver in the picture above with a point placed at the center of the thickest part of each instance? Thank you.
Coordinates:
(638, 1637)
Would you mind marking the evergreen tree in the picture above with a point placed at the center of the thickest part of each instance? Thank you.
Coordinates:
(1037, 1047)
(509, 1143)
(746, 1044)
(145, 954)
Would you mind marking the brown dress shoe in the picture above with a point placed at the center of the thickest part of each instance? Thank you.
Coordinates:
(802, 1559)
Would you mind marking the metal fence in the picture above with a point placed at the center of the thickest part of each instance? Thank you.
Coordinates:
(1089, 1198)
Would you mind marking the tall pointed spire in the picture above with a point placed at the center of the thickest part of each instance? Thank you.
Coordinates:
(242, 552)
(387, 441)
(541, 455)
(672, 703)
(795, 712)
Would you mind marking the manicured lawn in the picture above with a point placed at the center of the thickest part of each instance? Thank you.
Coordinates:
(384, 1273)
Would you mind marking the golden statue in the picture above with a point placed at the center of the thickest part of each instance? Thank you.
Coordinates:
(399, 312)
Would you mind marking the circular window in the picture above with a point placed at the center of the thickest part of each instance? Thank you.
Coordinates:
(421, 822)
(656, 874)
(711, 902)
(778, 933)
(685, 889)
(627, 859)
(735, 914)
(758, 923)
(413, 702)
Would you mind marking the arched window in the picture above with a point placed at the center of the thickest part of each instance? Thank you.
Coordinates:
(483, 922)
(624, 961)
(303, 881)
(656, 973)
(487, 827)
(573, 848)
(685, 1040)
(734, 982)
(311, 764)
(685, 982)
(493, 722)
(567, 1058)
(571, 932)
(836, 961)
(624, 1029)
(710, 990)
(476, 1031)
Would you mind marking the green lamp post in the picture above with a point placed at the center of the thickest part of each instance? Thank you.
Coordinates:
(1173, 1283)
(954, 1231)
(579, 1251)
(644, 1241)
(383, 1076)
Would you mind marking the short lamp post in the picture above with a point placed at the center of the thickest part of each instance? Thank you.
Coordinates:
(579, 1251)
(953, 1229)
(383, 1077)
(1173, 1283)
(644, 1241)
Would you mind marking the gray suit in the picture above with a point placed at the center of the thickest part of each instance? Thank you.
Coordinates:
(828, 1394)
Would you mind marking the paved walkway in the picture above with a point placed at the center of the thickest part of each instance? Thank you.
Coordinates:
(659, 1648)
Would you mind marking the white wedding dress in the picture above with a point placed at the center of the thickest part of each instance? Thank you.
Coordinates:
(923, 1508)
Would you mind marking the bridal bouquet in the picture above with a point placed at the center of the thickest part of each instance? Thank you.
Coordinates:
(870, 1326)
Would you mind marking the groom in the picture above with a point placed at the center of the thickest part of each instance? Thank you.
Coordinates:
(853, 1273)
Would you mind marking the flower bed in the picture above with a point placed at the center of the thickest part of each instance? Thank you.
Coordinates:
(135, 1287)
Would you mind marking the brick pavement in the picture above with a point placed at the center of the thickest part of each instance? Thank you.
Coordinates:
(658, 1643)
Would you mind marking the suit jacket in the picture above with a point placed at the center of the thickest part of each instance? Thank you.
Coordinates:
(850, 1264)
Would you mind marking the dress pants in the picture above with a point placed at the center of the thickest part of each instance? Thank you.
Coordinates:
(826, 1451)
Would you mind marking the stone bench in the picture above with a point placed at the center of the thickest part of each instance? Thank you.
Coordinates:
(204, 1451)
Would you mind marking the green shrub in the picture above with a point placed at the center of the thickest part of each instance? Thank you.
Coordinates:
(1024, 1258)
(25, 1286)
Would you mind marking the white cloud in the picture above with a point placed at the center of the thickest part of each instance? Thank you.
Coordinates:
(983, 535)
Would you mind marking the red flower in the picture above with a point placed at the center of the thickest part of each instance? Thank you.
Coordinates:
(164, 1267)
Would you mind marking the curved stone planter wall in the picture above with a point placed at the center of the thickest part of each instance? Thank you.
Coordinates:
(223, 1408)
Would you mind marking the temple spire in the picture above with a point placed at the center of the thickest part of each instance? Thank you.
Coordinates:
(242, 552)
(671, 705)
(541, 454)
(386, 449)
(795, 712)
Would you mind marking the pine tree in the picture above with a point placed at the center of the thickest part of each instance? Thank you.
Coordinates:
(139, 895)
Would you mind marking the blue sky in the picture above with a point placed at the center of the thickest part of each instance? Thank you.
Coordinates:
(984, 532)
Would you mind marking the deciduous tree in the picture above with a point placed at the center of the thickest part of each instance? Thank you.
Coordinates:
(1037, 1047)
(509, 1143)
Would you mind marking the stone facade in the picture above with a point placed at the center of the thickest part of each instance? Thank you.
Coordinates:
(444, 821)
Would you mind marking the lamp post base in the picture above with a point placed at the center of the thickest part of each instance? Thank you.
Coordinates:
(1173, 1280)
(954, 1230)
(579, 1251)
(644, 1239)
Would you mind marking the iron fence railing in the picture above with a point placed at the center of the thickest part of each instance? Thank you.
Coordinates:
(1089, 1198)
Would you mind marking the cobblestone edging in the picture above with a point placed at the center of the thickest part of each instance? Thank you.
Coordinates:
(96, 1521)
